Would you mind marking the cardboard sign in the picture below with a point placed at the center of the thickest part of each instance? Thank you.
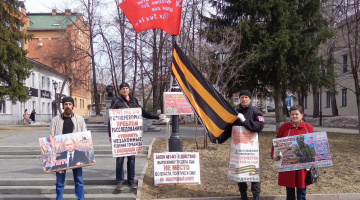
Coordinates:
(175, 103)
(126, 126)
(303, 151)
(67, 151)
(244, 156)
(172, 168)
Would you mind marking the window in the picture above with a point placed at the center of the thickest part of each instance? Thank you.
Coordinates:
(48, 108)
(344, 63)
(48, 83)
(327, 103)
(33, 105)
(343, 97)
(2, 107)
(75, 102)
(42, 82)
(33, 79)
(305, 102)
(43, 109)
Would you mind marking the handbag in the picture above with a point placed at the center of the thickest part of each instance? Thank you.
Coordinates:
(312, 176)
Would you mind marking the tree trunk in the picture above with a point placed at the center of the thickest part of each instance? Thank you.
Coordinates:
(316, 104)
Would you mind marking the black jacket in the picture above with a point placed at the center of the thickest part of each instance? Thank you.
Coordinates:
(254, 118)
(254, 122)
(120, 103)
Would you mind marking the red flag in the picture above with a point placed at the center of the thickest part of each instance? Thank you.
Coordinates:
(154, 14)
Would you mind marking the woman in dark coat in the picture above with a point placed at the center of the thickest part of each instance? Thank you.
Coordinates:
(32, 115)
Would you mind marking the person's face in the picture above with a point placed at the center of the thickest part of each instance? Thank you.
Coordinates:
(68, 107)
(245, 100)
(296, 116)
(172, 104)
(125, 91)
(69, 145)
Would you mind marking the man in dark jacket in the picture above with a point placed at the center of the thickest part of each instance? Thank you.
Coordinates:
(127, 101)
(253, 120)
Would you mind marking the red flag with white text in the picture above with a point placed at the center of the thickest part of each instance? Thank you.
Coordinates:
(154, 14)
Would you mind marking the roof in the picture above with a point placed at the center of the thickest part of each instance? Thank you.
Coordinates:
(45, 21)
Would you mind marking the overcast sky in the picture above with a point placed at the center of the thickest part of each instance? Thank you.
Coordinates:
(44, 6)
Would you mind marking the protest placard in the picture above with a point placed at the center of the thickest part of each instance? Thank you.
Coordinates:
(67, 151)
(175, 103)
(303, 151)
(244, 155)
(126, 131)
(172, 168)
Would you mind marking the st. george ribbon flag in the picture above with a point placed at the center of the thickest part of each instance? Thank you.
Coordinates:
(214, 112)
(154, 14)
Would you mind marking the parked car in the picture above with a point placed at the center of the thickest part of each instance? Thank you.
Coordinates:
(270, 108)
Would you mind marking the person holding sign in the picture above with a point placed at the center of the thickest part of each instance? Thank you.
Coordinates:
(295, 179)
(127, 101)
(253, 120)
(68, 122)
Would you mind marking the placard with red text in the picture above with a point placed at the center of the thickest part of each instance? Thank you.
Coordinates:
(172, 168)
(244, 155)
(126, 126)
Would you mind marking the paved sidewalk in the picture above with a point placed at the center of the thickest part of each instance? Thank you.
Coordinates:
(27, 137)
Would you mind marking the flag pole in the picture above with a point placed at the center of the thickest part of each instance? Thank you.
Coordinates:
(175, 141)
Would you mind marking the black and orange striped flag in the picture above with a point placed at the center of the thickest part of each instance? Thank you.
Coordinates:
(212, 109)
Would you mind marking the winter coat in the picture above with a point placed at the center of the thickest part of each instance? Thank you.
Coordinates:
(57, 123)
(255, 120)
(121, 103)
(293, 178)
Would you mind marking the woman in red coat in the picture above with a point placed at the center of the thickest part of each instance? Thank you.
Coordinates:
(293, 179)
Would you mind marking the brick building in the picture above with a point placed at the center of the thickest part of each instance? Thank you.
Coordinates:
(61, 42)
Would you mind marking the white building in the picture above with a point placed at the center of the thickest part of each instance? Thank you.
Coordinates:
(41, 92)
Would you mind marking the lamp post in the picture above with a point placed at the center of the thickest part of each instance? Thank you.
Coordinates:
(175, 141)
(222, 55)
(55, 84)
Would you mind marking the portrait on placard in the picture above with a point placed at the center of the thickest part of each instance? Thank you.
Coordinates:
(67, 151)
(175, 103)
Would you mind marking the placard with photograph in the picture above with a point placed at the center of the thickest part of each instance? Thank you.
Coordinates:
(303, 151)
(175, 103)
(67, 151)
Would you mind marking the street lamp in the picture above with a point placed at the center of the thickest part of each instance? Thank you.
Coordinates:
(55, 84)
(222, 54)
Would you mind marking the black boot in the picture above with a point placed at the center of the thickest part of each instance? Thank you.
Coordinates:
(244, 196)
(256, 197)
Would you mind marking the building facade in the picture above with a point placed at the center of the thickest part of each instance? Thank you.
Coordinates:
(61, 42)
(41, 93)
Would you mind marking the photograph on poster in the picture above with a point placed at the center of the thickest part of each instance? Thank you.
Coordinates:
(67, 151)
(175, 103)
(303, 151)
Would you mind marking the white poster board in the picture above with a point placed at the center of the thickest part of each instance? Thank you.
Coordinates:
(244, 155)
(172, 168)
(126, 126)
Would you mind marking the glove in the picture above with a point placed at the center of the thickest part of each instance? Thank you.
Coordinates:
(241, 117)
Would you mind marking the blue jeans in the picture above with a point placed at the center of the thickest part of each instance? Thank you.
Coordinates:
(79, 184)
(300, 193)
(130, 169)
